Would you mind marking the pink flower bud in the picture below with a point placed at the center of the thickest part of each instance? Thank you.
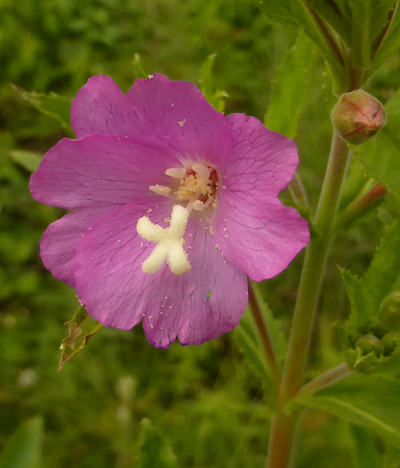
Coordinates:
(357, 116)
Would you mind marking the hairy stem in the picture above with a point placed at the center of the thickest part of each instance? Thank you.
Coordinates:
(264, 336)
(282, 430)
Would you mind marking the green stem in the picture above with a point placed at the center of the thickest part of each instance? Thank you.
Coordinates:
(282, 430)
(359, 206)
(325, 380)
(264, 336)
(298, 192)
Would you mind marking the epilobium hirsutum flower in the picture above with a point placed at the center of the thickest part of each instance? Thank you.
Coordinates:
(173, 205)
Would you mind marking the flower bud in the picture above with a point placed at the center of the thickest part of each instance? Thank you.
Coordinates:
(389, 311)
(390, 342)
(370, 344)
(357, 116)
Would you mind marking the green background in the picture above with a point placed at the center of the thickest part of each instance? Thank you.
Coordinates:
(121, 402)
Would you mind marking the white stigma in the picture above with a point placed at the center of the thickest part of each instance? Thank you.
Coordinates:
(169, 242)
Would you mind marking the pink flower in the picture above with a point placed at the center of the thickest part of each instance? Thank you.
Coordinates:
(173, 205)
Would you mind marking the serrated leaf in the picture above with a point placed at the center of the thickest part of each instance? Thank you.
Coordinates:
(360, 303)
(23, 449)
(371, 401)
(384, 269)
(50, 104)
(380, 156)
(154, 452)
(27, 159)
(80, 328)
(289, 89)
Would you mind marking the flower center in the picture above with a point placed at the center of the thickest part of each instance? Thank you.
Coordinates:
(196, 185)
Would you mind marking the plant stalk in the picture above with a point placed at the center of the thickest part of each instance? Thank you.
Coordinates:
(264, 337)
(298, 192)
(360, 205)
(282, 429)
(325, 380)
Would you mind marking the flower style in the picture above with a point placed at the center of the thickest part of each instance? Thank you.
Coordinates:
(173, 205)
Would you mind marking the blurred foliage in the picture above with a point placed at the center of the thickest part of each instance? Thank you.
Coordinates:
(207, 407)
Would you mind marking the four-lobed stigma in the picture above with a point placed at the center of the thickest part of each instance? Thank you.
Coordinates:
(197, 186)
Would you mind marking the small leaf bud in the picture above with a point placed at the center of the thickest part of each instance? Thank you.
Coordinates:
(389, 311)
(357, 116)
(370, 344)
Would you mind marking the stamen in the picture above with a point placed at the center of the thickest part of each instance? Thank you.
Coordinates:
(176, 172)
(199, 205)
(202, 171)
(160, 190)
(169, 242)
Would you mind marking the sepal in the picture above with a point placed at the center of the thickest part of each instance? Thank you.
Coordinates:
(80, 328)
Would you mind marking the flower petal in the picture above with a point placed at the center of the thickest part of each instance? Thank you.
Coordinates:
(58, 244)
(98, 171)
(176, 113)
(195, 306)
(199, 305)
(100, 107)
(262, 162)
(261, 237)
(255, 231)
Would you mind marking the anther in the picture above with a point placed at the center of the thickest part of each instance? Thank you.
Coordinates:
(160, 190)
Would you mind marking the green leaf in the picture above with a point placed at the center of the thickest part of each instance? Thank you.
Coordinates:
(288, 12)
(50, 104)
(248, 343)
(248, 339)
(367, 456)
(289, 88)
(278, 340)
(371, 401)
(365, 296)
(336, 15)
(368, 19)
(384, 269)
(216, 97)
(154, 452)
(380, 156)
(299, 14)
(360, 303)
(27, 159)
(22, 450)
(80, 328)
(358, 22)
(390, 42)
